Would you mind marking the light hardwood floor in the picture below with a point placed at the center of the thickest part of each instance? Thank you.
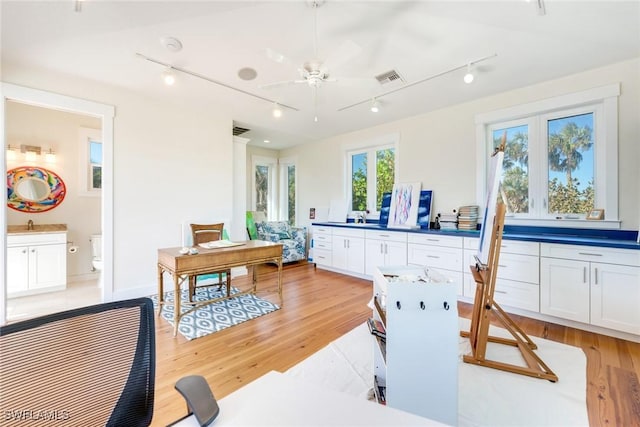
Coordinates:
(320, 306)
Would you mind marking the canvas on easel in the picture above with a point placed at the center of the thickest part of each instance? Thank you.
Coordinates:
(485, 307)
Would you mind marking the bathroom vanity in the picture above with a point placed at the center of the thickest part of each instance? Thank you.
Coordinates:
(36, 259)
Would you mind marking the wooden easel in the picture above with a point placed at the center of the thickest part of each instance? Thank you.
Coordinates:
(484, 306)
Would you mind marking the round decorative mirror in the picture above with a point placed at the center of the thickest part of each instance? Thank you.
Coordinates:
(33, 189)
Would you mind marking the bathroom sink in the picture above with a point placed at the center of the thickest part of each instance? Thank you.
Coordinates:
(37, 228)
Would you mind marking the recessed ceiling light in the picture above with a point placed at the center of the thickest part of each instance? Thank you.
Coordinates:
(247, 73)
(266, 141)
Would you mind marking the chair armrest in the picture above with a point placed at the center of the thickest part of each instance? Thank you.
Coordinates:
(200, 400)
(271, 237)
(299, 234)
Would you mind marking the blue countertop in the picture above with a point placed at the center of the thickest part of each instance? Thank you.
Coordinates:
(621, 239)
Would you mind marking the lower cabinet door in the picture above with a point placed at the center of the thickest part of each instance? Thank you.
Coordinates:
(564, 288)
(615, 297)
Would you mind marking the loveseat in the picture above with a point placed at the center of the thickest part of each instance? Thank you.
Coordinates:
(293, 239)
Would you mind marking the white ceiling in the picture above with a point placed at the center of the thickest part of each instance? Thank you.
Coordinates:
(362, 39)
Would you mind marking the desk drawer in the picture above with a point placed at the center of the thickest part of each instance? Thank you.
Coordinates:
(390, 236)
(436, 240)
(322, 257)
(591, 254)
(435, 256)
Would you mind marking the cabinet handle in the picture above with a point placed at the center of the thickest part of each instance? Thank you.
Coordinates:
(433, 240)
(502, 266)
(398, 305)
(433, 256)
(422, 306)
(596, 271)
(384, 235)
(589, 254)
(499, 292)
(445, 305)
(584, 275)
(386, 249)
(348, 245)
(24, 251)
(33, 251)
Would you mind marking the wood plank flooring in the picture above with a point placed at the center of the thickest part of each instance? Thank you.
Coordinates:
(319, 306)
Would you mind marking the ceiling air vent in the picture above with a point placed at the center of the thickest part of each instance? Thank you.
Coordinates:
(237, 130)
(389, 77)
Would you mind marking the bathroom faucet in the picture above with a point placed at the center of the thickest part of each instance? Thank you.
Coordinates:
(30, 224)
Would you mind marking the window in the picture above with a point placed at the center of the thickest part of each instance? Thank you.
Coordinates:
(264, 186)
(274, 188)
(90, 161)
(371, 173)
(288, 190)
(560, 157)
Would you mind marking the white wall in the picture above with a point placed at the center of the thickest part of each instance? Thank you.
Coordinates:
(438, 148)
(163, 170)
(30, 125)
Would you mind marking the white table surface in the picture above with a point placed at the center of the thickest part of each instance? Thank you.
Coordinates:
(276, 399)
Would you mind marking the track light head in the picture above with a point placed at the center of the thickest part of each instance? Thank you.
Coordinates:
(375, 106)
(277, 112)
(168, 77)
(468, 78)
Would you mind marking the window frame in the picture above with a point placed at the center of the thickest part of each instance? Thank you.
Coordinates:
(283, 184)
(272, 197)
(370, 147)
(85, 137)
(603, 102)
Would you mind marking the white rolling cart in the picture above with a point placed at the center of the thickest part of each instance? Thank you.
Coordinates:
(416, 369)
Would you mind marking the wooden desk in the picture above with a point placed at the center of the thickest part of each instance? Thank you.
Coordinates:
(181, 266)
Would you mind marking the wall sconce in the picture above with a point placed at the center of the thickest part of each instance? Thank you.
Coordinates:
(30, 152)
(50, 156)
(11, 152)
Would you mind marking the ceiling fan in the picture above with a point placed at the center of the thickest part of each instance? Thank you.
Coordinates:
(315, 72)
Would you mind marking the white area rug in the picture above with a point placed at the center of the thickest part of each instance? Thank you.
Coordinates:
(486, 397)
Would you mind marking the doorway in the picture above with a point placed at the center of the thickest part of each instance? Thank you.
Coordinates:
(85, 215)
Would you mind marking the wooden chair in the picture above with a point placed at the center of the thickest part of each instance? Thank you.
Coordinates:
(203, 233)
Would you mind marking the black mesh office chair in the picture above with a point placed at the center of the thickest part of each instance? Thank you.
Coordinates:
(92, 366)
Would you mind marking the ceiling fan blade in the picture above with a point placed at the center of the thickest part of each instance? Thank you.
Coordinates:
(280, 84)
(344, 53)
(278, 57)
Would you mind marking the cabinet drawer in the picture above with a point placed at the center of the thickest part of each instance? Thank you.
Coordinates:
(591, 254)
(523, 268)
(434, 239)
(471, 243)
(322, 244)
(321, 229)
(318, 238)
(36, 239)
(391, 236)
(348, 232)
(322, 256)
(435, 256)
(519, 247)
(525, 296)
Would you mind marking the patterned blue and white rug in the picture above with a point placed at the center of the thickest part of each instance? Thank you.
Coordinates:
(214, 317)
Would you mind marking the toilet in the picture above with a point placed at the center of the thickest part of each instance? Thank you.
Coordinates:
(96, 252)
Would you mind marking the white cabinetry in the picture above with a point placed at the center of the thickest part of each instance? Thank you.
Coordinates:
(518, 279)
(593, 285)
(384, 248)
(443, 253)
(322, 237)
(348, 249)
(419, 363)
(36, 262)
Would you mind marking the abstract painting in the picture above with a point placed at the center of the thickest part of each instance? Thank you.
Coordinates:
(405, 199)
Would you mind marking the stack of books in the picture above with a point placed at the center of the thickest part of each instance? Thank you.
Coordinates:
(449, 221)
(468, 217)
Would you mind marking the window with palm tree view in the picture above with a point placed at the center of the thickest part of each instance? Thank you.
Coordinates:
(548, 166)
